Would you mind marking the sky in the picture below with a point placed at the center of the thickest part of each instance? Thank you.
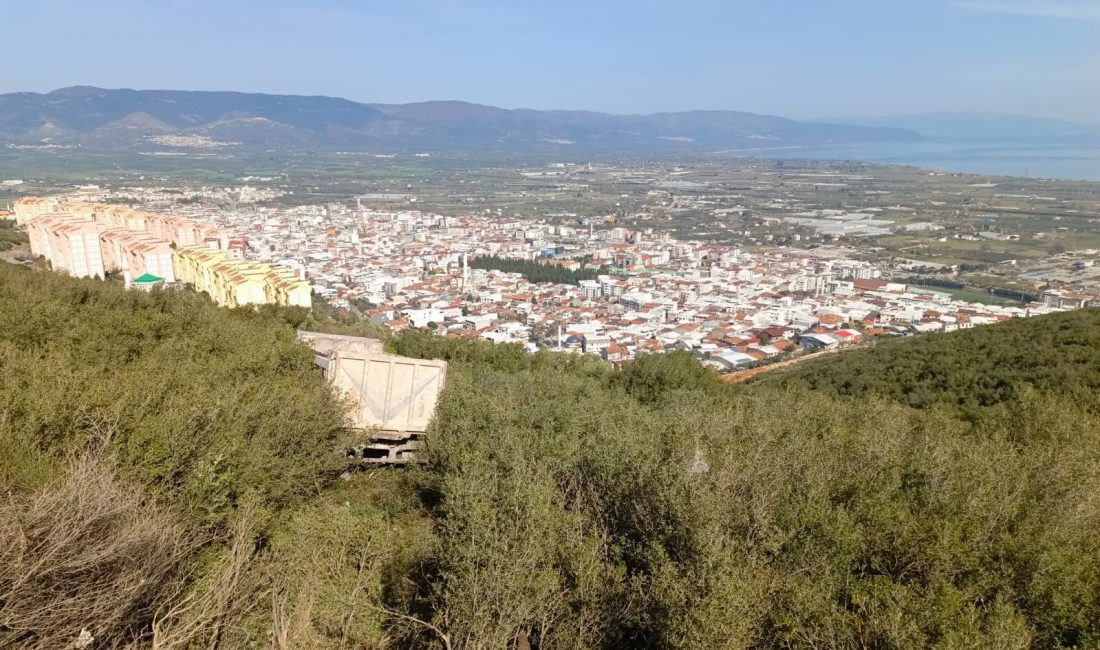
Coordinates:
(804, 59)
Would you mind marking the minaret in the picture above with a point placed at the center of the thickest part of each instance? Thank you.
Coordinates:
(465, 271)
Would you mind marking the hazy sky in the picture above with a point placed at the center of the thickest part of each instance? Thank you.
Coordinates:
(798, 58)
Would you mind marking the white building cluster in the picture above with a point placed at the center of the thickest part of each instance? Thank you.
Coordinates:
(734, 307)
(637, 292)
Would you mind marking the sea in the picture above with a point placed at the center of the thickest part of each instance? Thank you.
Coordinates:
(1067, 158)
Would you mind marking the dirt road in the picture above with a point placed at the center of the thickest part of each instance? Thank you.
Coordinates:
(744, 375)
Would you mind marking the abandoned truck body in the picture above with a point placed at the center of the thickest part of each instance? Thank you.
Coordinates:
(391, 398)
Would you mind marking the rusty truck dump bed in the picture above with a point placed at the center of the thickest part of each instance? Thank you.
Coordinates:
(390, 397)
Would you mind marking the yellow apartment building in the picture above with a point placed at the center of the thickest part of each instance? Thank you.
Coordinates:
(234, 283)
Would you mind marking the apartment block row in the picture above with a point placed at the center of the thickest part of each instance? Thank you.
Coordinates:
(30, 207)
(84, 248)
(235, 283)
(92, 240)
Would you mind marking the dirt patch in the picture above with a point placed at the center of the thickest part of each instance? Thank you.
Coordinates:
(745, 375)
(16, 255)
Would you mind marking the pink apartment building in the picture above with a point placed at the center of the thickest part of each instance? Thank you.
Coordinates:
(30, 207)
(109, 243)
(88, 239)
(153, 257)
(212, 236)
(38, 231)
(74, 248)
(133, 254)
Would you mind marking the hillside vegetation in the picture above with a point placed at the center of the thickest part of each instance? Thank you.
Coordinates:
(9, 237)
(135, 429)
(534, 271)
(564, 504)
(967, 369)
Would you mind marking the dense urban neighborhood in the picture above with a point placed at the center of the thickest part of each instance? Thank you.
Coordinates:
(583, 284)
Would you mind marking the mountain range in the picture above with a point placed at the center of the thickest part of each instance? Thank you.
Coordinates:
(151, 119)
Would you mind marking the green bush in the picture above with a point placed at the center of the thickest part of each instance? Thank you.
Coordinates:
(968, 370)
(571, 514)
(568, 505)
(201, 404)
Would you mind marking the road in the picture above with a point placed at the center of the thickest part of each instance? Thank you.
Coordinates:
(745, 375)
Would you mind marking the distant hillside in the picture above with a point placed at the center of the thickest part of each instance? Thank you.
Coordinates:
(968, 369)
(979, 125)
(96, 117)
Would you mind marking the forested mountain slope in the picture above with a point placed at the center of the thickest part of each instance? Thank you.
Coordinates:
(169, 478)
(966, 369)
(100, 118)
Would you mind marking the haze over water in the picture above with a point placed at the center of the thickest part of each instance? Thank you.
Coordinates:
(1072, 158)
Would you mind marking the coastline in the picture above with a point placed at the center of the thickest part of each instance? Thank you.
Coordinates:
(1056, 158)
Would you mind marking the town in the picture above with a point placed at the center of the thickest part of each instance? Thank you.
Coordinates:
(586, 284)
